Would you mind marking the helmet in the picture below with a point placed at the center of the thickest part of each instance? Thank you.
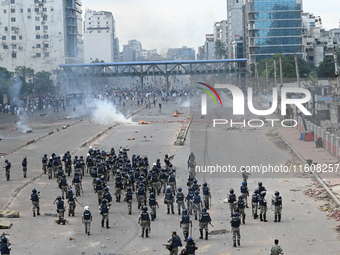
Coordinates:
(145, 208)
(189, 239)
(129, 189)
(97, 179)
(59, 198)
(185, 211)
(204, 209)
(243, 183)
(45, 155)
(103, 150)
(118, 171)
(95, 168)
(106, 188)
(102, 177)
(263, 193)
(64, 176)
(205, 184)
(179, 189)
(277, 193)
(170, 172)
(86, 208)
(81, 157)
(240, 197)
(137, 169)
(140, 184)
(195, 181)
(104, 201)
(166, 155)
(76, 173)
(158, 160)
(170, 165)
(260, 184)
(6, 160)
(256, 191)
(235, 214)
(152, 194)
(154, 164)
(231, 191)
(76, 156)
(196, 192)
(34, 190)
(190, 189)
(168, 189)
(4, 239)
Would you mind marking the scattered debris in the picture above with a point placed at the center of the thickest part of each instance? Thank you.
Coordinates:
(12, 129)
(29, 131)
(219, 232)
(43, 114)
(18, 120)
(335, 215)
(294, 189)
(131, 138)
(5, 225)
(177, 114)
(312, 192)
(51, 214)
(143, 122)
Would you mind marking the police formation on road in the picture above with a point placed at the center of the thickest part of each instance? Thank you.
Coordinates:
(135, 178)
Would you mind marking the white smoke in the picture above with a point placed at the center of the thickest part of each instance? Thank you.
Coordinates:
(266, 99)
(186, 103)
(105, 113)
(14, 89)
(21, 124)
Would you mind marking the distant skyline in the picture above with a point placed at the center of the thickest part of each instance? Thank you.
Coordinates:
(162, 25)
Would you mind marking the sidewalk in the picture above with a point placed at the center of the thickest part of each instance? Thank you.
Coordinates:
(308, 150)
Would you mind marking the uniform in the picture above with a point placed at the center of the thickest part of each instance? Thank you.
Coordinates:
(197, 205)
(118, 189)
(8, 169)
(140, 195)
(255, 200)
(5, 247)
(144, 221)
(35, 201)
(204, 222)
(232, 204)
(153, 203)
(278, 207)
(104, 211)
(50, 169)
(169, 200)
(94, 175)
(244, 193)
(44, 163)
(192, 166)
(71, 203)
(241, 207)
(63, 185)
(189, 199)
(172, 182)
(76, 181)
(180, 201)
(175, 242)
(276, 250)
(235, 227)
(24, 167)
(128, 199)
(87, 217)
(190, 248)
(184, 223)
(61, 211)
(99, 190)
(263, 207)
(163, 179)
(206, 196)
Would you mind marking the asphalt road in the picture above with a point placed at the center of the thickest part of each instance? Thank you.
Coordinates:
(303, 230)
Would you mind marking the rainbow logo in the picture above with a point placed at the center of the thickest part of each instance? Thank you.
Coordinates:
(209, 93)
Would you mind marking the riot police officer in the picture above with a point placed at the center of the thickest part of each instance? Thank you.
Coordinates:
(231, 201)
(128, 199)
(180, 200)
(63, 185)
(197, 203)
(184, 223)
(240, 208)
(107, 194)
(77, 183)
(35, 201)
(263, 206)
(118, 188)
(5, 246)
(68, 165)
(172, 181)
(206, 195)
(189, 198)
(60, 174)
(278, 206)
(244, 193)
(60, 209)
(169, 200)
(255, 200)
(50, 168)
(144, 221)
(190, 247)
(44, 163)
(261, 188)
(163, 179)
(205, 220)
(195, 186)
(86, 219)
(153, 203)
(94, 175)
(245, 175)
(99, 190)
(71, 199)
(104, 211)
(235, 228)
(175, 242)
(141, 195)
(7, 168)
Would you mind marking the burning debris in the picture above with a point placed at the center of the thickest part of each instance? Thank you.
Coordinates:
(177, 114)
(143, 122)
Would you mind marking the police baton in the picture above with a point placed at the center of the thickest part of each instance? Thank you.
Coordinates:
(211, 224)
(79, 203)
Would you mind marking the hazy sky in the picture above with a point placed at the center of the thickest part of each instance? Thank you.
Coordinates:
(171, 24)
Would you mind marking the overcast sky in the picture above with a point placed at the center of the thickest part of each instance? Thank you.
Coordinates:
(171, 24)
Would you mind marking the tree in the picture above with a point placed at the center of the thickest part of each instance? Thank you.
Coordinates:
(326, 68)
(97, 61)
(220, 50)
(25, 74)
(6, 80)
(43, 82)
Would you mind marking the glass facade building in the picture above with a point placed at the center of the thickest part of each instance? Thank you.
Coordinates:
(273, 26)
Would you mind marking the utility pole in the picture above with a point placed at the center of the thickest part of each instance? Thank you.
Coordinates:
(336, 70)
(281, 78)
(297, 71)
(257, 78)
(275, 73)
(267, 76)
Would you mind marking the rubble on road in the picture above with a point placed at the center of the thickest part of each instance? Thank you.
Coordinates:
(335, 215)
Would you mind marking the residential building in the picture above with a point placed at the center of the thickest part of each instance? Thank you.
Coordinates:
(221, 32)
(40, 34)
(99, 36)
(209, 46)
(273, 27)
(234, 25)
(184, 53)
(132, 51)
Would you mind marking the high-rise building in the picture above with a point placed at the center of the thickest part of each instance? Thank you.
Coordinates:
(99, 36)
(273, 27)
(209, 46)
(234, 25)
(40, 34)
(184, 53)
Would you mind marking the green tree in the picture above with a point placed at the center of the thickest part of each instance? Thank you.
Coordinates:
(326, 68)
(25, 74)
(97, 61)
(6, 80)
(220, 50)
(43, 82)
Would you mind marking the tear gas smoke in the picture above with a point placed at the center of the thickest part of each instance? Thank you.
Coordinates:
(105, 113)
(21, 124)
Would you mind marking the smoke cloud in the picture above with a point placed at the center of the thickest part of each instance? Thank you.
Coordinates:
(21, 124)
(105, 113)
